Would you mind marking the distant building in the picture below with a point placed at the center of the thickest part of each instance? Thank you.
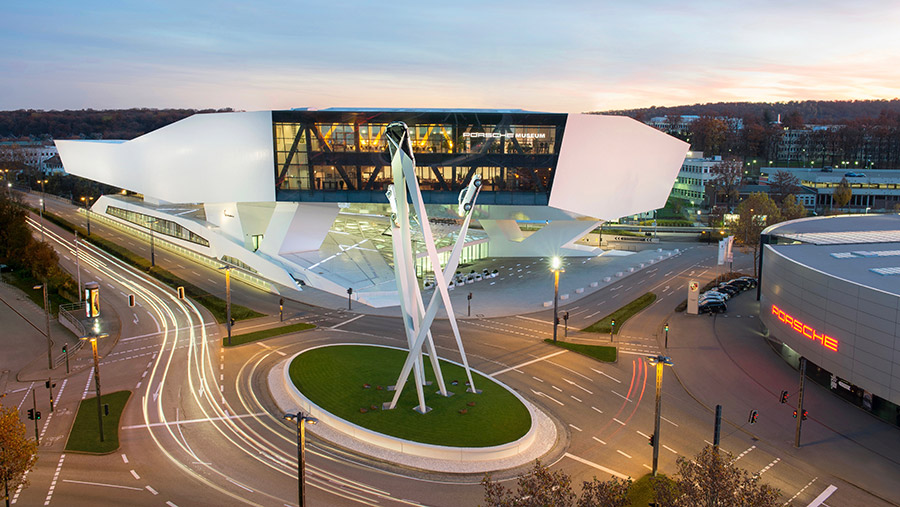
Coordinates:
(36, 154)
(695, 174)
(875, 189)
(674, 124)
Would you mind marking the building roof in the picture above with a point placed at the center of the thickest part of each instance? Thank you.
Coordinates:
(863, 249)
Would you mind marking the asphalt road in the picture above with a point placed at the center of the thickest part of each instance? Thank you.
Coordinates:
(201, 428)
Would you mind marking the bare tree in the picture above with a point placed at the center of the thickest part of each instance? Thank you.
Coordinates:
(18, 453)
(542, 488)
(711, 479)
(727, 177)
(842, 193)
(782, 184)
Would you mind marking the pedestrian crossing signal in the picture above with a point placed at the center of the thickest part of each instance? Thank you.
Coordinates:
(652, 439)
(30, 414)
(754, 414)
(784, 396)
(805, 415)
(37, 415)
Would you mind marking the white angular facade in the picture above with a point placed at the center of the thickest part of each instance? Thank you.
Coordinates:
(267, 188)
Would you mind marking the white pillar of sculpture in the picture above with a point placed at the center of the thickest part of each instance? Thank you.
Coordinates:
(416, 318)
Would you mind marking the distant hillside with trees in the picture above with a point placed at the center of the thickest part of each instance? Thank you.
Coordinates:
(821, 112)
(35, 124)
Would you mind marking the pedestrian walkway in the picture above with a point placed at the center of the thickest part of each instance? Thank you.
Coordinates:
(727, 360)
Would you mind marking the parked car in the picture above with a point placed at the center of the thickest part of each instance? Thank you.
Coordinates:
(713, 307)
(713, 296)
(854, 175)
(750, 280)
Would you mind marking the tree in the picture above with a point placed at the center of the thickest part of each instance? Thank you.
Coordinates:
(791, 209)
(708, 134)
(727, 177)
(842, 193)
(711, 479)
(755, 213)
(782, 184)
(542, 488)
(18, 454)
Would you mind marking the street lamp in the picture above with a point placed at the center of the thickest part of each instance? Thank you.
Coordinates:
(93, 339)
(659, 362)
(87, 212)
(227, 270)
(301, 420)
(47, 316)
(41, 212)
(43, 194)
(556, 268)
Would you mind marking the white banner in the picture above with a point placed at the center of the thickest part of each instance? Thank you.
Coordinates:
(722, 247)
(729, 251)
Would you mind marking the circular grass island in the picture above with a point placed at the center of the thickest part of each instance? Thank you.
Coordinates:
(351, 382)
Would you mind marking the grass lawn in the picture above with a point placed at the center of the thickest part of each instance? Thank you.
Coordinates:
(85, 436)
(335, 377)
(598, 352)
(621, 315)
(241, 339)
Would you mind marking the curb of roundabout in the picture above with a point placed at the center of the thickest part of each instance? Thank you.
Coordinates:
(540, 439)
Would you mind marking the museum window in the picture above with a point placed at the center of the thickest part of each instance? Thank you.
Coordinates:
(160, 225)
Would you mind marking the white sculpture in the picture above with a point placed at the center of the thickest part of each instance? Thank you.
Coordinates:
(417, 319)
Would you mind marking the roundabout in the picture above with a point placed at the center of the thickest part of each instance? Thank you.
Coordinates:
(345, 385)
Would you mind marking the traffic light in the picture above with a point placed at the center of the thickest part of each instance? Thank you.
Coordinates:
(754, 414)
(784, 396)
(37, 415)
(805, 415)
(667, 328)
(612, 323)
(180, 292)
(349, 290)
(652, 439)
(30, 414)
(795, 414)
(469, 297)
(131, 300)
(65, 348)
(566, 316)
(47, 384)
(232, 322)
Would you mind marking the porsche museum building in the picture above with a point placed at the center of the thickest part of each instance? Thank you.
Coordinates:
(296, 198)
(830, 292)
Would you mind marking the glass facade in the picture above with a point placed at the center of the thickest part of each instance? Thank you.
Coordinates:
(340, 155)
(160, 226)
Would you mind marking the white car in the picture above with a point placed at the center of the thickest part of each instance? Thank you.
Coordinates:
(467, 195)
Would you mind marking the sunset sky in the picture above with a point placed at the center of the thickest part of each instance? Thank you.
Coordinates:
(548, 56)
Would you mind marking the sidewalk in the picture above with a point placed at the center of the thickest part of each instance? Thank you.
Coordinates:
(726, 360)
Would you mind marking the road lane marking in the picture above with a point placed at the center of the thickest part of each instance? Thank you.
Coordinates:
(741, 455)
(238, 484)
(767, 467)
(548, 356)
(598, 467)
(539, 380)
(607, 376)
(135, 475)
(666, 447)
(668, 421)
(574, 398)
(597, 409)
(533, 319)
(101, 484)
(641, 433)
(601, 441)
(263, 345)
(191, 421)
(554, 387)
(620, 396)
(346, 322)
(618, 421)
(637, 353)
(623, 454)
(551, 398)
(823, 496)
(148, 488)
(576, 385)
(125, 459)
(575, 427)
(791, 499)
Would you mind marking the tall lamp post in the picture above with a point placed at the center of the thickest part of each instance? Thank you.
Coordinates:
(556, 268)
(301, 420)
(93, 339)
(227, 270)
(659, 362)
(47, 317)
(41, 212)
(87, 212)
(43, 194)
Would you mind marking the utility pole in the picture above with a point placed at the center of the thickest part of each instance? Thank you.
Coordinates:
(659, 362)
(800, 401)
(718, 427)
(566, 320)
(35, 415)
(47, 319)
(469, 304)
(97, 385)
